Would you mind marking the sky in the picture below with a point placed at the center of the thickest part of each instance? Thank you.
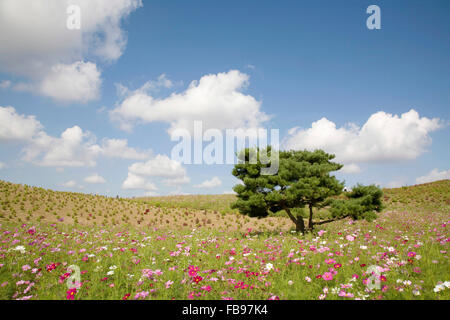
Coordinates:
(92, 109)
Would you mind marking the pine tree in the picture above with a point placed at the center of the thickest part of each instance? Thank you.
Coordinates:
(303, 180)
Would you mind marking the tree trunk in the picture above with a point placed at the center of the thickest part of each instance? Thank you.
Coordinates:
(299, 223)
(310, 222)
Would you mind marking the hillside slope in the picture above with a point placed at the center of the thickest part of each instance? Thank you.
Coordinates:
(21, 203)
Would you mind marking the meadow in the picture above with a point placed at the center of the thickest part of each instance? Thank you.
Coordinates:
(60, 245)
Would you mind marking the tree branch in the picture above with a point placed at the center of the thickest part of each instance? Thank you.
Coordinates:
(330, 220)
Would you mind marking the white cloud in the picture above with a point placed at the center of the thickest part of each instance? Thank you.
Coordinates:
(161, 166)
(35, 40)
(2, 165)
(384, 137)
(14, 126)
(229, 192)
(216, 99)
(95, 179)
(118, 148)
(4, 84)
(351, 168)
(148, 87)
(395, 184)
(79, 81)
(135, 182)
(74, 148)
(69, 184)
(208, 184)
(434, 175)
(173, 182)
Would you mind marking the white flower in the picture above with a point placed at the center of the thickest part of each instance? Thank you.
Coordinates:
(363, 247)
(20, 248)
(113, 268)
(269, 266)
(391, 249)
(438, 288)
(110, 273)
(416, 292)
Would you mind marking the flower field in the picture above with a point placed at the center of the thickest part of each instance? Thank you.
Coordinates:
(404, 254)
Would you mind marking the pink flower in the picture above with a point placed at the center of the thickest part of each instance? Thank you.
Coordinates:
(71, 293)
(26, 267)
(350, 238)
(168, 284)
(193, 271)
(142, 294)
(411, 254)
(327, 276)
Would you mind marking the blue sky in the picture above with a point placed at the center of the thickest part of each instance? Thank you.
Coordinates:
(296, 61)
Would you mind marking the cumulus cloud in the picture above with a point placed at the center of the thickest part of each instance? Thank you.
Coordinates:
(351, 168)
(159, 166)
(69, 184)
(95, 179)
(395, 184)
(384, 137)
(170, 172)
(73, 148)
(118, 148)
(135, 182)
(4, 84)
(38, 45)
(17, 127)
(79, 81)
(2, 165)
(216, 99)
(434, 175)
(209, 184)
(151, 86)
(76, 148)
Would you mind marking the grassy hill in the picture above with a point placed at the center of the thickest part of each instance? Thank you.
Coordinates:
(22, 203)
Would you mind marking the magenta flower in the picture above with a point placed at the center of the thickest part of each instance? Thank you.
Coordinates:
(328, 276)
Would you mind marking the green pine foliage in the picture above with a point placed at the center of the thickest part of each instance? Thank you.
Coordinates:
(303, 180)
